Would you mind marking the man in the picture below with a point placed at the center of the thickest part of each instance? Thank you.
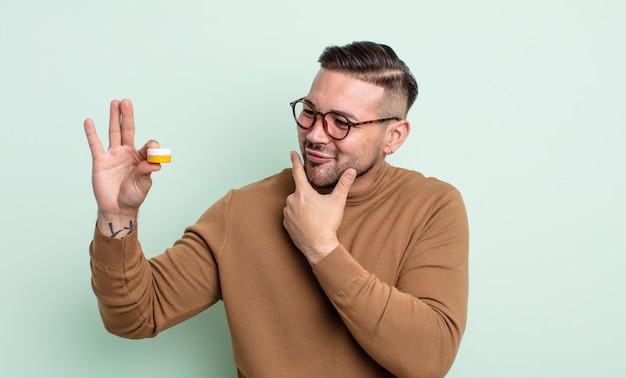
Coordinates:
(342, 266)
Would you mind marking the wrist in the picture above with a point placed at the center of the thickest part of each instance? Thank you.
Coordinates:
(319, 252)
(116, 225)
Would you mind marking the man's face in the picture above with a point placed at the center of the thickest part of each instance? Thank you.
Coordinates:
(325, 158)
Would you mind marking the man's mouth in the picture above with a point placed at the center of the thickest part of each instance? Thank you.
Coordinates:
(318, 157)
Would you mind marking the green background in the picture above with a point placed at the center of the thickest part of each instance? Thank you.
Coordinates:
(521, 107)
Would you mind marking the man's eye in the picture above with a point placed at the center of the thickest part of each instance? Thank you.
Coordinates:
(340, 122)
(308, 113)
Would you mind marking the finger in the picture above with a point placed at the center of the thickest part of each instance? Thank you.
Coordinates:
(150, 144)
(346, 180)
(115, 137)
(128, 123)
(95, 145)
(299, 176)
(144, 169)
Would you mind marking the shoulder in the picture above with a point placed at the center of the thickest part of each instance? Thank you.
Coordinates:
(407, 180)
(268, 193)
(279, 183)
(263, 197)
(417, 192)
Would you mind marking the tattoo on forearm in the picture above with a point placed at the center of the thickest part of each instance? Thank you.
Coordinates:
(129, 229)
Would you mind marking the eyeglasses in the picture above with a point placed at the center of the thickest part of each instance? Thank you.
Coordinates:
(337, 126)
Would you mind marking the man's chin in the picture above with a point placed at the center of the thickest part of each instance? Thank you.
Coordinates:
(320, 178)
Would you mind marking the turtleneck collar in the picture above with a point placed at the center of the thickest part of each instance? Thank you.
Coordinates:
(381, 184)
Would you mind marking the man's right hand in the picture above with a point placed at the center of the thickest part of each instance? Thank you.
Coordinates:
(121, 175)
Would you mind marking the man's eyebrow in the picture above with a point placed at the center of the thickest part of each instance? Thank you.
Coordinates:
(348, 115)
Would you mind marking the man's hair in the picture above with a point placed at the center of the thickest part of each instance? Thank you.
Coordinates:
(373, 63)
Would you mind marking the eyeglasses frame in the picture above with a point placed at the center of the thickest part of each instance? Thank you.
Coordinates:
(317, 113)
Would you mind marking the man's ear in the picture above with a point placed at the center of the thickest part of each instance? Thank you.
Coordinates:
(395, 136)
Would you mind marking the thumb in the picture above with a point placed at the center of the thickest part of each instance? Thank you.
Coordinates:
(345, 182)
(143, 175)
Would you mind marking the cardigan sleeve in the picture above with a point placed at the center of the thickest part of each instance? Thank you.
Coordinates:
(140, 297)
(414, 327)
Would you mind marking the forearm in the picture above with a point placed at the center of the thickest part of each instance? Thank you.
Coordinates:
(119, 272)
(407, 335)
(140, 297)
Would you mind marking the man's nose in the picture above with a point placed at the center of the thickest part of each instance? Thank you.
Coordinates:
(317, 133)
